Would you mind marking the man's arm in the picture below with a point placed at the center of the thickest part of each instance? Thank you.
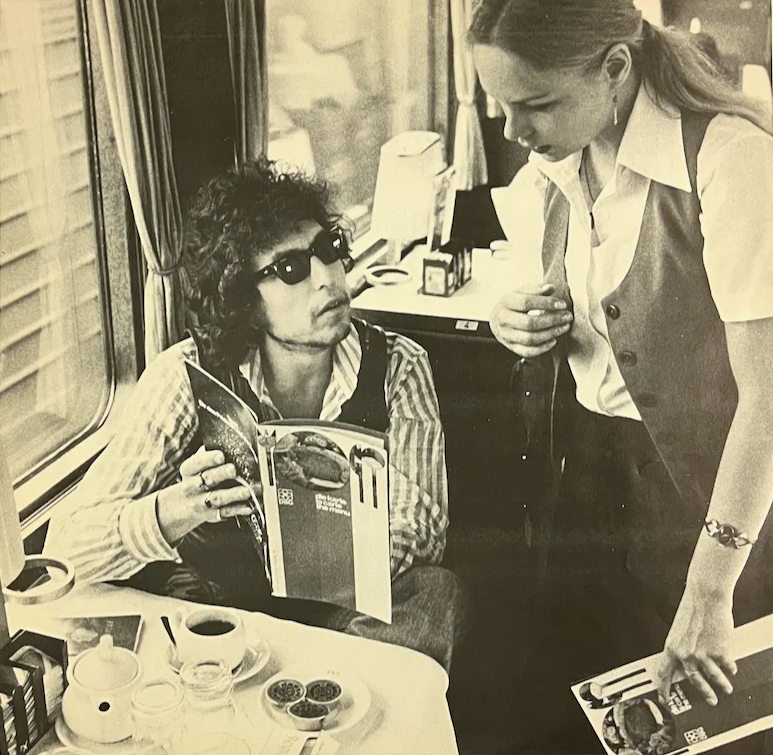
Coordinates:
(109, 528)
(418, 484)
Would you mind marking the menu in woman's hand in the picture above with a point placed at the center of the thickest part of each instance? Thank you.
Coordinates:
(639, 724)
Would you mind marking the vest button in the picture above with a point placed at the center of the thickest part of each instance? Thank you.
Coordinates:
(613, 311)
(647, 400)
(627, 358)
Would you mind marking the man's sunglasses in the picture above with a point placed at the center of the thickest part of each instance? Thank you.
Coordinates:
(329, 246)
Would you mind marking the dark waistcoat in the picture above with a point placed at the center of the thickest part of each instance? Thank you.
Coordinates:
(665, 331)
(224, 554)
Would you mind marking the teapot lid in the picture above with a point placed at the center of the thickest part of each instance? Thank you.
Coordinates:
(105, 666)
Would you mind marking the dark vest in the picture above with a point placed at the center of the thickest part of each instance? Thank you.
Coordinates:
(224, 555)
(666, 333)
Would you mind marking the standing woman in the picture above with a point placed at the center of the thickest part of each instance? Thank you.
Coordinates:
(658, 294)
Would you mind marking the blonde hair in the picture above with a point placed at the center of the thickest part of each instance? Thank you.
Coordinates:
(578, 33)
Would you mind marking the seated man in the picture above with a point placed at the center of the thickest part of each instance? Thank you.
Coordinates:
(265, 270)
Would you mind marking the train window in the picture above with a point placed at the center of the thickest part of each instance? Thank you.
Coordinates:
(342, 83)
(56, 376)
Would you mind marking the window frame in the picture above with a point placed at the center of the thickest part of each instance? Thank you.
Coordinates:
(120, 268)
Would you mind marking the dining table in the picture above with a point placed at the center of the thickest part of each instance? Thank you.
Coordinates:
(402, 691)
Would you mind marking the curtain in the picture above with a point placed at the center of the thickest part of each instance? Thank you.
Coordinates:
(246, 20)
(469, 153)
(130, 47)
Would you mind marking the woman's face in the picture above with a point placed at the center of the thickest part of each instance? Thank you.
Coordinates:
(555, 112)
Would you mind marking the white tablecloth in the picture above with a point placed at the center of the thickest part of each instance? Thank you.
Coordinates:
(409, 713)
(491, 279)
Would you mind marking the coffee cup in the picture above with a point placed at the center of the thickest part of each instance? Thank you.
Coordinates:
(212, 632)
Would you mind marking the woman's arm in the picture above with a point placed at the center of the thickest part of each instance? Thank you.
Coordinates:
(699, 640)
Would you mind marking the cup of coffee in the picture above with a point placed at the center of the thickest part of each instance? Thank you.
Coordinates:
(212, 632)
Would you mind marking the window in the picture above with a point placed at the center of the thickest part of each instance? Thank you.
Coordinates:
(56, 374)
(342, 82)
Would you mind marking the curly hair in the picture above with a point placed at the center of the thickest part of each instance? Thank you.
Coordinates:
(234, 216)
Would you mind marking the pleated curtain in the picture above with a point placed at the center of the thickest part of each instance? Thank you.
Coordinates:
(246, 22)
(469, 152)
(130, 50)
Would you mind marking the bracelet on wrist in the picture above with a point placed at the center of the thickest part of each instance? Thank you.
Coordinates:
(727, 535)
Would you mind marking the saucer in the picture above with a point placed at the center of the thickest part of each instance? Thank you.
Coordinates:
(255, 659)
(387, 275)
(82, 745)
(351, 709)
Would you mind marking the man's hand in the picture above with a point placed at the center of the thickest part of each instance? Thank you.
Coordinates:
(529, 320)
(207, 492)
(699, 644)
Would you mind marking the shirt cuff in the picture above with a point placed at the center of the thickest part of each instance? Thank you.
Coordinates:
(141, 534)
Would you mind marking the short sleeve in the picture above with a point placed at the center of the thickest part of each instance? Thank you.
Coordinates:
(520, 209)
(735, 186)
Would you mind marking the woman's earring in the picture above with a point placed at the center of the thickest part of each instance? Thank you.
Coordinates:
(615, 116)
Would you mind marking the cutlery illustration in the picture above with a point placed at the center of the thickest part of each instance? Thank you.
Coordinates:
(615, 697)
(593, 691)
(355, 462)
(361, 457)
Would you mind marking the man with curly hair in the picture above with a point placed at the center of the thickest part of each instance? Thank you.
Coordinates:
(265, 264)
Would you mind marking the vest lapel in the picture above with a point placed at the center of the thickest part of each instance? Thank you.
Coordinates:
(665, 331)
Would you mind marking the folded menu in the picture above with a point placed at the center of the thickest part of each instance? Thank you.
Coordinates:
(639, 724)
(321, 521)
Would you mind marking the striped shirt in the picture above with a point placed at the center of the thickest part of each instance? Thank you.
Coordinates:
(109, 529)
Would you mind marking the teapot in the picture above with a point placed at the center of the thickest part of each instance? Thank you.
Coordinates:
(101, 681)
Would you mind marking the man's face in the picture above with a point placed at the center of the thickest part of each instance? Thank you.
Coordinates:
(310, 315)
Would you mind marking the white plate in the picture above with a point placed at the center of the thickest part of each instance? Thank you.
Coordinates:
(387, 275)
(80, 744)
(255, 660)
(354, 704)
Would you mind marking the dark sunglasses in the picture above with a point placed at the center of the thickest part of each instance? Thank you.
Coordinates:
(329, 246)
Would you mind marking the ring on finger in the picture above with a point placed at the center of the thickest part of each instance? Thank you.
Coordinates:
(202, 482)
(208, 500)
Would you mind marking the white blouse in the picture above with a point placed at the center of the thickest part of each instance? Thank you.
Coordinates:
(735, 187)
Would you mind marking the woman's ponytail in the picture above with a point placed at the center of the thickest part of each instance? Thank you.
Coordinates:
(578, 33)
(677, 71)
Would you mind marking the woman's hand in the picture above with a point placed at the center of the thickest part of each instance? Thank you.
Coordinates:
(208, 491)
(529, 320)
(699, 644)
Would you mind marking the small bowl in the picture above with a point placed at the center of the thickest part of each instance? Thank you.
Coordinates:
(285, 692)
(323, 691)
(308, 716)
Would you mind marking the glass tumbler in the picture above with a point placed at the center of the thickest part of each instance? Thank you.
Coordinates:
(157, 708)
(212, 721)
